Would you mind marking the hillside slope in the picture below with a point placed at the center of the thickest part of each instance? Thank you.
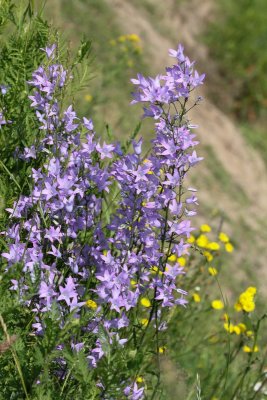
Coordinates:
(216, 130)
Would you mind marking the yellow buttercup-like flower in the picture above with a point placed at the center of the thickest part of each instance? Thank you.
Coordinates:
(208, 255)
(162, 349)
(172, 258)
(191, 239)
(213, 271)
(202, 241)
(145, 302)
(248, 349)
(133, 37)
(205, 228)
(229, 247)
(196, 298)
(181, 261)
(246, 300)
(223, 237)
(229, 327)
(91, 304)
(213, 246)
(242, 327)
(144, 321)
(217, 304)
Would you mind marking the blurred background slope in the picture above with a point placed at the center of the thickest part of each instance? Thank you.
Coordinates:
(228, 40)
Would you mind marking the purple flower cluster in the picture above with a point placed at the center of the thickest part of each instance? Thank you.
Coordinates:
(78, 256)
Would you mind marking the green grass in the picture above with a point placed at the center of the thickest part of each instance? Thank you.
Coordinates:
(236, 39)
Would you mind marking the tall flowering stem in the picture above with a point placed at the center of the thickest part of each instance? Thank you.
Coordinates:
(115, 275)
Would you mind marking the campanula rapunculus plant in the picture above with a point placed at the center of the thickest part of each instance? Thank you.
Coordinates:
(96, 260)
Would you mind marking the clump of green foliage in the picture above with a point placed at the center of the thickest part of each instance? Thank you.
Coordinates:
(237, 39)
(23, 32)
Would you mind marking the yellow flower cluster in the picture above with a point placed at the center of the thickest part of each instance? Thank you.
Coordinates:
(225, 239)
(248, 349)
(179, 260)
(128, 42)
(239, 329)
(132, 37)
(203, 242)
(231, 328)
(246, 300)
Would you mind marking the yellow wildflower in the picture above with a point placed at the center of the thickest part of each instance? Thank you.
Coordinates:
(246, 300)
(144, 321)
(229, 327)
(202, 241)
(238, 307)
(133, 282)
(213, 271)
(229, 247)
(208, 255)
(248, 349)
(250, 334)
(213, 246)
(223, 237)
(196, 298)
(237, 329)
(251, 290)
(205, 228)
(155, 270)
(91, 304)
(162, 349)
(88, 98)
(226, 317)
(134, 37)
(217, 304)
(139, 379)
(181, 261)
(249, 306)
(172, 258)
(242, 327)
(191, 239)
(122, 38)
(145, 302)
